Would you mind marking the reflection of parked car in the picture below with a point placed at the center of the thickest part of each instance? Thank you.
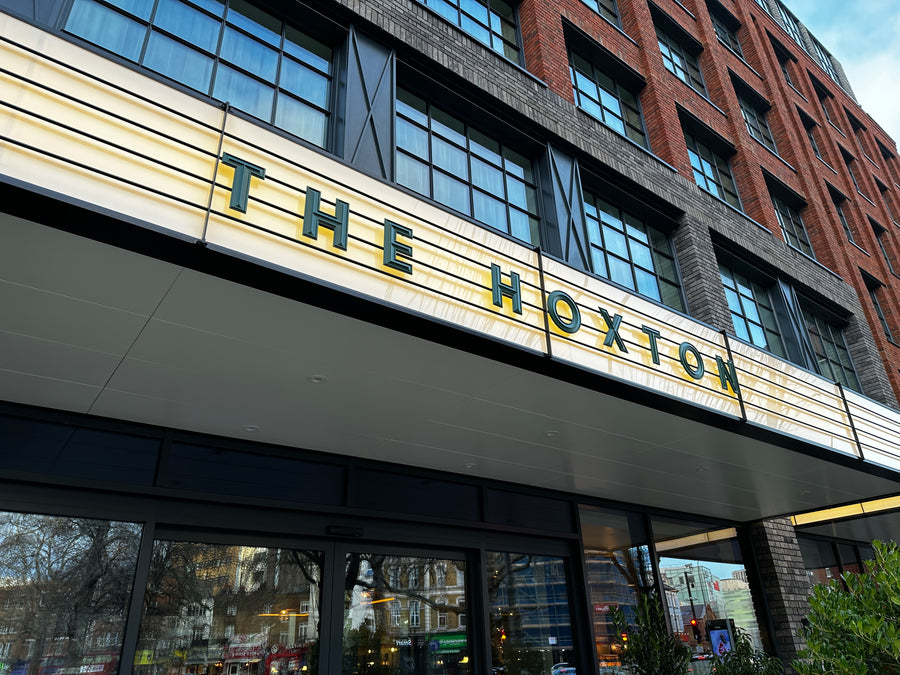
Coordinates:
(562, 669)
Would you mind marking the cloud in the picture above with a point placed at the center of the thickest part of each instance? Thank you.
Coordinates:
(864, 40)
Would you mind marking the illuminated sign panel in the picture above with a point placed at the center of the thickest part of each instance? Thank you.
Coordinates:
(94, 132)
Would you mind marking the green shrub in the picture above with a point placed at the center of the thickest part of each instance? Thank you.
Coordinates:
(743, 659)
(856, 630)
(649, 648)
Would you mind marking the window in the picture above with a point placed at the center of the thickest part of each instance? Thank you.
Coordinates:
(630, 253)
(605, 98)
(849, 161)
(755, 118)
(790, 24)
(824, 59)
(492, 22)
(792, 226)
(442, 157)
(414, 615)
(764, 5)
(232, 51)
(605, 8)
(712, 171)
(883, 190)
(859, 133)
(823, 95)
(413, 577)
(830, 349)
(809, 124)
(752, 311)
(874, 286)
(680, 61)
(726, 27)
(784, 59)
(461, 615)
(839, 209)
(880, 235)
(395, 613)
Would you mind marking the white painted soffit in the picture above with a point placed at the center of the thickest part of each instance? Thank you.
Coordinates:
(91, 328)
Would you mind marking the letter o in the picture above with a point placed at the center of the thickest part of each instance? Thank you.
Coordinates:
(697, 371)
(566, 325)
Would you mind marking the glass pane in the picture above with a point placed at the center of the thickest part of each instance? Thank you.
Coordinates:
(448, 127)
(490, 211)
(306, 83)
(249, 54)
(412, 138)
(211, 608)
(65, 592)
(243, 92)
(617, 563)
(404, 615)
(197, 28)
(106, 28)
(255, 21)
(140, 8)
(306, 49)
(412, 174)
(178, 61)
(300, 119)
(487, 177)
(705, 582)
(449, 157)
(528, 600)
(451, 192)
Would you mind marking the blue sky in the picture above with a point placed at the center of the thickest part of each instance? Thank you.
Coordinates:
(864, 35)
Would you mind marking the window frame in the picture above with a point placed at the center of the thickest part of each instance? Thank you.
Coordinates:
(466, 21)
(635, 132)
(756, 122)
(453, 132)
(703, 153)
(725, 26)
(793, 228)
(833, 336)
(250, 32)
(672, 47)
(608, 9)
(760, 296)
(627, 240)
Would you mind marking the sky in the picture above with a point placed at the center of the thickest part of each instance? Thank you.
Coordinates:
(864, 36)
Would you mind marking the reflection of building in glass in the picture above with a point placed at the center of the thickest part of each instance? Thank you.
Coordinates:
(216, 609)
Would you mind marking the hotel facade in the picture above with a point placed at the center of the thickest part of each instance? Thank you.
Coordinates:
(423, 337)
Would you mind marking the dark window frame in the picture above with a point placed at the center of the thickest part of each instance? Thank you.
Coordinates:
(516, 170)
(628, 120)
(507, 44)
(243, 28)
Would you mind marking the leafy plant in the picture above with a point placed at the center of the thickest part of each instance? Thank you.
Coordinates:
(855, 630)
(648, 648)
(743, 659)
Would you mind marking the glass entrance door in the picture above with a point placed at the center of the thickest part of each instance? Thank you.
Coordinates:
(405, 615)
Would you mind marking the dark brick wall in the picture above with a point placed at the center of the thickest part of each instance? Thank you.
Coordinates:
(785, 584)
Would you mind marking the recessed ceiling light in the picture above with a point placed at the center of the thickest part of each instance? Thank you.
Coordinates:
(470, 465)
(804, 492)
(251, 428)
(701, 469)
(317, 379)
(550, 433)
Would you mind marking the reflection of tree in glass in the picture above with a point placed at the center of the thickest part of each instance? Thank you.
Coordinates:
(206, 603)
(64, 588)
(394, 606)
